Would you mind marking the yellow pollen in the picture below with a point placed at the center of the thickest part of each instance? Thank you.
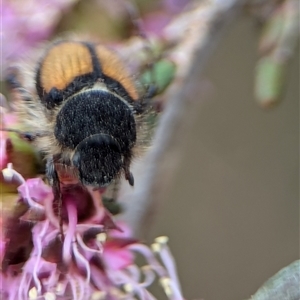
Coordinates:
(128, 287)
(33, 293)
(166, 284)
(156, 248)
(59, 288)
(49, 296)
(162, 240)
(99, 295)
(8, 173)
(101, 237)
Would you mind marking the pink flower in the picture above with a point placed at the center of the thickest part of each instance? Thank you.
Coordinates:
(96, 257)
(116, 254)
(34, 188)
(27, 22)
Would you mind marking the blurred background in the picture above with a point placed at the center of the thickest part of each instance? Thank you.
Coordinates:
(232, 213)
(232, 210)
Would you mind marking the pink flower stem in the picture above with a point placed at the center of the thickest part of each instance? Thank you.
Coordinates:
(134, 272)
(102, 283)
(53, 279)
(38, 249)
(20, 179)
(86, 248)
(81, 260)
(168, 261)
(73, 287)
(24, 286)
(149, 277)
(119, 277)
(12, 291)
(146, 252)
(70, 235)
(51, 236)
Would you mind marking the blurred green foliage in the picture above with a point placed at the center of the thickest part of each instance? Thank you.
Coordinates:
(277, 45)
(161, 75)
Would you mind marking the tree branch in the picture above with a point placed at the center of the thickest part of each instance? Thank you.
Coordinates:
(195, 34)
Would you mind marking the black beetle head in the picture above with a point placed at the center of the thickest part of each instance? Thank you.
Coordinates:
(98, 159)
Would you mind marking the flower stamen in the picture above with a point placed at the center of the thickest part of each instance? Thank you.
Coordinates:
(99, 295)
(70, 235)
(49, 296)
(166, 284)
(81, 260)
(8, 173)
(101, 237)
(33, 293)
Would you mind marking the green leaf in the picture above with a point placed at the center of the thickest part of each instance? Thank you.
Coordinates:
(283, 285)
(269, 81)
(161, 75)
